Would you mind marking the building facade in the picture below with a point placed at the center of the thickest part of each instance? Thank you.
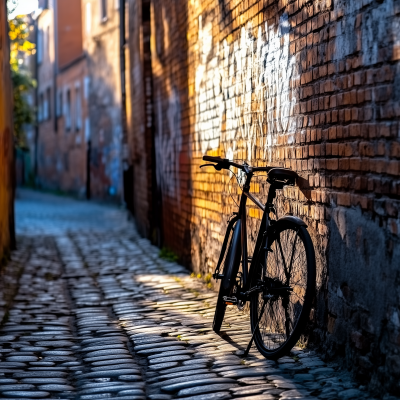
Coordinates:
(308, 85)
(79, 138)
(7, 171)
(62, 102)
(101, 47)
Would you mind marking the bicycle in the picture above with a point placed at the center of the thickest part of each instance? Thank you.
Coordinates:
(280, 282)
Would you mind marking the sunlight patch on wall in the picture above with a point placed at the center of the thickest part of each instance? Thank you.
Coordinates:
(246, 90)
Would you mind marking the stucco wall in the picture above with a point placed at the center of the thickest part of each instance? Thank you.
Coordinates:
(312, 86)
(101, 45)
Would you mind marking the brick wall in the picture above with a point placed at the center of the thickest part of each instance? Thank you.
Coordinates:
(72, 137)
(312, 86)
(69, 18)
(140, 117)
(62, 148)
(62, 96)
(6, 144)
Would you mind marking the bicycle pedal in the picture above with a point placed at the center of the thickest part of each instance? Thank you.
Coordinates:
(230, 300)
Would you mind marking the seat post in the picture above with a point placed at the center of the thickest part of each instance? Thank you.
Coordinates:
(271, 194)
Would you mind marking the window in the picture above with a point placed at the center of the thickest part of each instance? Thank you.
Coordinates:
(86, 85)
(66, 161)
(40, 108)
(103, 10)
(48, 42)
(40, 47)
(68, 111)
(87, 129)
(78, 108)
(48, 103)
(88, 17)
(43, 4)
(59, 104)
(46, 115)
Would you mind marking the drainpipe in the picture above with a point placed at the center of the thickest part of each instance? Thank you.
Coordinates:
(55, 71)
(35, 166)
(125, 150)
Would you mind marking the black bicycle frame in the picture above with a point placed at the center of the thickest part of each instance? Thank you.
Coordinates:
(262, 233)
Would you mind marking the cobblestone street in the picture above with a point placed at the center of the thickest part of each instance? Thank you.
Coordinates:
(99, 315)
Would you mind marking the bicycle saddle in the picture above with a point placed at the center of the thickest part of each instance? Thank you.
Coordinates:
(282, 177)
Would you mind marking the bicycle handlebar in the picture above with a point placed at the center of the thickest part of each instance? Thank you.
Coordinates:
(225, 163)
(214, 159)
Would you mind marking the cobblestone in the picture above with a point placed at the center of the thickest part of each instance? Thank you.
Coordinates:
(99, 315)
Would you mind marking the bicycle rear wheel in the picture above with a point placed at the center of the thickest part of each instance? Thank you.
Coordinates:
(231, 268)
(279, 321)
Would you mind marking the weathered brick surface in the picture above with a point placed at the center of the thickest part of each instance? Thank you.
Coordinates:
(140, 117)
(62, 153)
(6, 142)
(311, 86)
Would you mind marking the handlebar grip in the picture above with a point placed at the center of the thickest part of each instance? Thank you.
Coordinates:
(215, 159)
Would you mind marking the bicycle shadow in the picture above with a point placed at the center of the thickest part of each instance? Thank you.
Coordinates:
(233, 342)
(304, 187)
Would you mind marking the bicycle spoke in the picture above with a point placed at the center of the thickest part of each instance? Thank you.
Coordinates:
(291, 258)
(285, 304)
(283, 259)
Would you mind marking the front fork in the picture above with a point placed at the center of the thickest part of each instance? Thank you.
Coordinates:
(217, 274)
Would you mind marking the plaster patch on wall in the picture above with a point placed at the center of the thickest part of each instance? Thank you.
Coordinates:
(168, 134)
(113, 164)
(370, 36)
(246, 90)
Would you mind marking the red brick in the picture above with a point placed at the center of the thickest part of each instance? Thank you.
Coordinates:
(332, 164)
(354, 130)
(344, 164)
(393, 168)
(343, 199)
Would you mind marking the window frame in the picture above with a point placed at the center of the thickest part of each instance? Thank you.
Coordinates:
(59, 105)
(68, 116)
(103, 11)
(78, 107)
(48, 103)
(39, 53)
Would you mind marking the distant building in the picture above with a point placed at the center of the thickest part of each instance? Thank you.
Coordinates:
(101, 46)
(79, 134)
(61, 110)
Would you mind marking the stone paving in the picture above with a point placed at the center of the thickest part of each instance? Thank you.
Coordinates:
(99, 315)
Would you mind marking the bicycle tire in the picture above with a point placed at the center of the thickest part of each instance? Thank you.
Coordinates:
(231, 268)
(271, 342)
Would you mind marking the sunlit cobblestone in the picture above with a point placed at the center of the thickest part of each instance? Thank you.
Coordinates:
(100, 315)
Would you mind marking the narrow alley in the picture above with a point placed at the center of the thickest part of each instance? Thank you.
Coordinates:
(100, 315)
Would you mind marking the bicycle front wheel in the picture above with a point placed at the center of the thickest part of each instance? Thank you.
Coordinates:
(278, 320)
(231, 268)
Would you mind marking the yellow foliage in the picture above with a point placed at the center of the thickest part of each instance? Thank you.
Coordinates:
(19, 33)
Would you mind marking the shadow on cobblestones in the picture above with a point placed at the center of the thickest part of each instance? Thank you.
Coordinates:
(99, 315)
